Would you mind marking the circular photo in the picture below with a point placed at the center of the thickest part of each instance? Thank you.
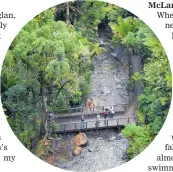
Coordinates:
(86, 86)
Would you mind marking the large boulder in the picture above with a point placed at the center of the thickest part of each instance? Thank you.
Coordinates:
(79, 140)
(77, 151)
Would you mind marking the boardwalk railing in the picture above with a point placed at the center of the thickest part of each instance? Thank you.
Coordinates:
(93, 110)
(88, 110)
(95, 124)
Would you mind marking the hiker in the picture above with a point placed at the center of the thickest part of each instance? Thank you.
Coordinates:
(82, 121)
(97, 120)
(105, 113)
(90, 105)
(51, 116)
(111, 111)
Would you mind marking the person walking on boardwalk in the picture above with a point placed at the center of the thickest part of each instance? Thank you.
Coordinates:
(82, 121)
(90, 105)
(111, 111)
(97, 120)
(51, 116)
(105, 113)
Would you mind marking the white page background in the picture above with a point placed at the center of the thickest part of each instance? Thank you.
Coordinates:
(25, 10)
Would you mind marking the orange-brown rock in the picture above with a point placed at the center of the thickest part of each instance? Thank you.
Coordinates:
(79, 140)
(77, 151)
(51, 160)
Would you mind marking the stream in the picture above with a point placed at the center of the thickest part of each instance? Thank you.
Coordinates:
(110, 77)
(106, 149)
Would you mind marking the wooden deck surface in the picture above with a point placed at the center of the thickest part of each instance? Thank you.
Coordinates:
(93, 124)
(72, 112)
(71, 122)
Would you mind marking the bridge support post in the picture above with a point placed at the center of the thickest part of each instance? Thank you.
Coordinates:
(65, 128)
(75, 127)
(96, 124)
(86, 127)
(128, 120)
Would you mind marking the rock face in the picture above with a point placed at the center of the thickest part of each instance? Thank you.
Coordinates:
(79, 141)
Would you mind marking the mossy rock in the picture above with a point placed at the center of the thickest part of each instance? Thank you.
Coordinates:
(43, 149)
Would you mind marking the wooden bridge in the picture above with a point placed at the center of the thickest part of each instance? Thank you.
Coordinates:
(72, 112)
(69, 120)
(95, 124)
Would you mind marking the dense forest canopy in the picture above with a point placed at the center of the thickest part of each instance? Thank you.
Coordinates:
(49, 65)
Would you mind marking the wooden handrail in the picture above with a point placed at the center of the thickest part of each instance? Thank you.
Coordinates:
(97, 108)
(122, 104)
(98, 120)
(75, 127)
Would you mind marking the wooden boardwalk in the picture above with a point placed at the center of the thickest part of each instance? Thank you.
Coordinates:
(72, 112)
(71, 122)
(95, 124)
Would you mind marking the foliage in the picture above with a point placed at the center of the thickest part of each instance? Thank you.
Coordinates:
(96, 49)
(139, 138)
(48, 67)
(92, 13)
(20, 102)
(61, 11)
(137, 76)
(155, 101)
(131, 32)
(124, 26)
(48, 60)
(53, 127)
(113, 12)
(153, 104)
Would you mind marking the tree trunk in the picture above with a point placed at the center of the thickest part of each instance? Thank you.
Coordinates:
(67, 14)
(43, 125)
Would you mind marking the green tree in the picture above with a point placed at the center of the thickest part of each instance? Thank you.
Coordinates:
(91, 15)
(52, 54)
(113, 12)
